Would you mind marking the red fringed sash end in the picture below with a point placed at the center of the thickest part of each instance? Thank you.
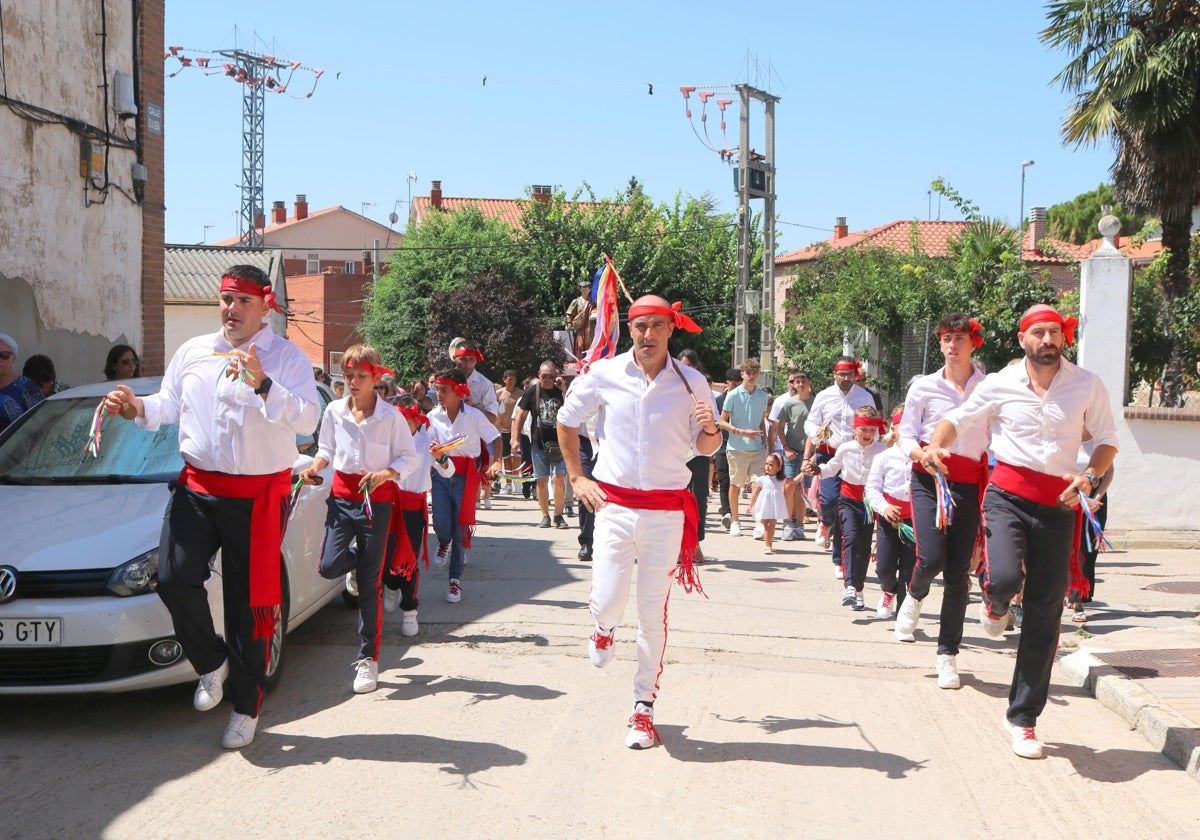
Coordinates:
(265, 620)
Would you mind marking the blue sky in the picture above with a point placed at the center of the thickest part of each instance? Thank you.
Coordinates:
(875, 103)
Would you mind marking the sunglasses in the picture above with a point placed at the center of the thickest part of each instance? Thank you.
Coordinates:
(132, 361)
(6, 354)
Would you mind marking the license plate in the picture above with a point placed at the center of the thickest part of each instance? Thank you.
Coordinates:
(30, 632)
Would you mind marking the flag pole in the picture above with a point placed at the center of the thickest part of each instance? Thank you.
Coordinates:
(620, 282)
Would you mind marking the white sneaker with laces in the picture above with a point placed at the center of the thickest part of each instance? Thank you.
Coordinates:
(848, 596)
(1024, 739)
(239, 732)
(860, 603)
(947, 671)
(366, 676)
(440, 557)
(907, 618)
(994, 628)
(788, 534)
(887, 606)
(642, 734)
(351, 584)
(735, 529)
(454, 591)
(600, 647)
(408, 623)
(211, 688)
(391, 599)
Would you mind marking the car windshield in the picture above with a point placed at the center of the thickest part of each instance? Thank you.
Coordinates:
(50, 446)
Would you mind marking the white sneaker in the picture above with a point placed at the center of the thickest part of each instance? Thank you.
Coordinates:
(947, 671)
(823, 540)
(391, 599)
(726, 521)
(838, 574)
(211, 688)
(887, 606)
(1024, 739)
(440, 557)
(408, 623)
(487, 503)
(366, 676)
(848, 596)
(798, 532)
(859, 603)
(351, 584)
(788, 534)
(642, 734)
(735, 529)
(759, 530)
(239, 732)
(994, 627)
(600, 647)
(908, 618)
(454, 591)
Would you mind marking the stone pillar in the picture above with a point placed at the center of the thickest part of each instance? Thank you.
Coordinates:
(1105, 294)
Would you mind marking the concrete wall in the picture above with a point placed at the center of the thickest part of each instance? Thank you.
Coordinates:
(1158, 465)
(184, 321)
(70, 273)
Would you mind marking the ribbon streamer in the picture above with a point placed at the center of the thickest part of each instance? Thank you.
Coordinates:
(945, 503)
(1093, 531)
(454, 443)
(907, 534)
(366, 491)
(93, 444)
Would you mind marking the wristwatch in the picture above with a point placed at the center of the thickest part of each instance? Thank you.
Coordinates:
(1092, 480)
(264, 387)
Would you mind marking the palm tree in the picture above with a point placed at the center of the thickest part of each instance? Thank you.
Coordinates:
(1135, 73)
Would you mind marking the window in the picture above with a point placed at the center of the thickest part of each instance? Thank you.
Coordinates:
(351, 267)
(314, 264)
(335, 363)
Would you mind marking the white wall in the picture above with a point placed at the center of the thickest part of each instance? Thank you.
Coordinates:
(70, 275)
(184, 321)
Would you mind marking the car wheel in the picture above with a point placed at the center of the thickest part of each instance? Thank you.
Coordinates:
(278, 642)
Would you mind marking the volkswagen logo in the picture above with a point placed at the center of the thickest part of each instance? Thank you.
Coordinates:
(8, 584)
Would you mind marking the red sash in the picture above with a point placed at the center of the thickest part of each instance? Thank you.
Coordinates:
(269, 492)
(826, 448)
(466, 513)
(853, 491)
(682, 500)
(905, 506)
(1044, 489)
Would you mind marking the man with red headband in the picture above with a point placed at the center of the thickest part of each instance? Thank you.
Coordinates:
(652, 414)
(946, 551)
(830, 423)
(240, 397)
(1038, 411)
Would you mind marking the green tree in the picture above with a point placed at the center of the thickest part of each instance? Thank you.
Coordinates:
(1076, 220)
(1135, 73)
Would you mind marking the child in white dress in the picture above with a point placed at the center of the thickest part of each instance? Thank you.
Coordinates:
(767, 502)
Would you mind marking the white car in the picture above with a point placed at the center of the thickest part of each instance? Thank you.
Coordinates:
(79, 555)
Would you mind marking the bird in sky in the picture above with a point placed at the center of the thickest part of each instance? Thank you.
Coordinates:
(485, 79)
(651, 86)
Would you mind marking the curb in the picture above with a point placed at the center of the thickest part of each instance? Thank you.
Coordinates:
(1166, 730)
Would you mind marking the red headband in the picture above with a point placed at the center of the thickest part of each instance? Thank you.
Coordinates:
(362, 364)
(868, 421)
(248, 287)
(468, 352)
(413, 412)
(677, 317)
(976, 333)
(897, 417)
(1043, 313)
(855, 366)
(461, 388)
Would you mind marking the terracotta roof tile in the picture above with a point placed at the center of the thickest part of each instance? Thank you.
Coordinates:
(508, 210)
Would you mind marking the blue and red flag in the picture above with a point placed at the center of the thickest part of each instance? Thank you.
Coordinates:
(608, 325)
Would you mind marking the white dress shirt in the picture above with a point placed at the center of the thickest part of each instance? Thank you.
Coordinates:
(1041, 434)
(420, 480)
(930, 398)
(837, 409)
(645, 428)
(483, 393)
(891, 473)
(470, 422)
(853, 461)
(380, 441)
(223, 425)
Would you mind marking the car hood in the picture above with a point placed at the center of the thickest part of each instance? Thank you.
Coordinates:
(89, 526)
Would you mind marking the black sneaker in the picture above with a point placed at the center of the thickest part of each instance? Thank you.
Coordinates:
(545, 523)
(585, 553)
(570, 510)
(1018, 615)
(560, 523)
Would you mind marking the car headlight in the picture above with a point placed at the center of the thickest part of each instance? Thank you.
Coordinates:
(137, 577)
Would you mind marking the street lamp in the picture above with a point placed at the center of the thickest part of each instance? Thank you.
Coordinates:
(1021, 215)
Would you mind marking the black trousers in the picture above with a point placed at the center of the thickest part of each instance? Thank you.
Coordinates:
(587, 518)
(947, 553)
(1089, 557)
(1030, 543)
(894, 559)
(414, 526)
(699, 487)
(722, 464)
(195, 527)
(528, 488)
(856, 541)
(355, 544)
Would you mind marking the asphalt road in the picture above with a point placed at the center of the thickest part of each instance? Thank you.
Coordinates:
(782, 713)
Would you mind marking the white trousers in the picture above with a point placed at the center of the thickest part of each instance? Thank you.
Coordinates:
(651, 537)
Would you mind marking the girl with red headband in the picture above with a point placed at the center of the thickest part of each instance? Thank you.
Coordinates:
(454, 497)
(889, 496)
(401, 579)
(852, 461)
(369, 445)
